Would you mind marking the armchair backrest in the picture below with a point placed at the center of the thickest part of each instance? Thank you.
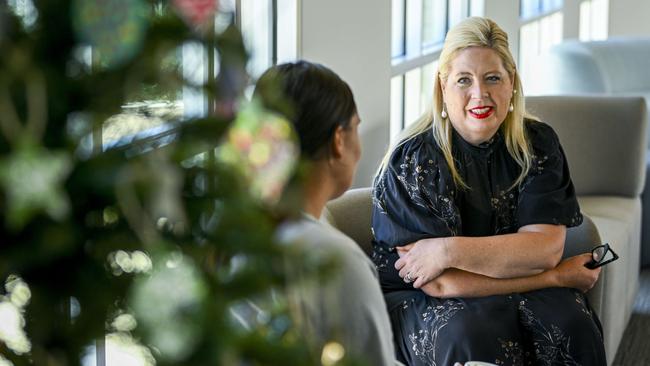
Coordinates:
(610, 66)
(351, 213)
(604, 139)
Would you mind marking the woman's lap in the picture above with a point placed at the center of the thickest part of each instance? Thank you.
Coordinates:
(518, 329)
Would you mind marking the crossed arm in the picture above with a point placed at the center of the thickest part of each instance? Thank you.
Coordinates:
(481, 266)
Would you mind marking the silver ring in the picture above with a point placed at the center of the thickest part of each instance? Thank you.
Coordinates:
(408, 278)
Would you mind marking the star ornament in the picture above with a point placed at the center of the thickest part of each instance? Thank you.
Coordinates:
(32, 177)
(196, 13)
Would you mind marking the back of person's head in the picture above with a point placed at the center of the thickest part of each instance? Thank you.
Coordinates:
(313, 97)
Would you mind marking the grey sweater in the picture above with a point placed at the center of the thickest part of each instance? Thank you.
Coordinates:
(347, 308)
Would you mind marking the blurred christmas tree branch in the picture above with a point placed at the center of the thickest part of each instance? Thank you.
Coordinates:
(134, 242)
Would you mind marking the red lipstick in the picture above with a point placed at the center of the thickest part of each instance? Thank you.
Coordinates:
(481, 112)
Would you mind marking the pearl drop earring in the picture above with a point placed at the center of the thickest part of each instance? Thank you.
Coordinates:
(443, 114)
(511, 108)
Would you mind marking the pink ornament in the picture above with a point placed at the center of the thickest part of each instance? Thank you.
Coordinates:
(196, 13)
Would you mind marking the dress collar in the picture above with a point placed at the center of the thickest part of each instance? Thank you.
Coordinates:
(483, 149)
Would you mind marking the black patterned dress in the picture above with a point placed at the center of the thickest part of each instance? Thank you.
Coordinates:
(416, 198)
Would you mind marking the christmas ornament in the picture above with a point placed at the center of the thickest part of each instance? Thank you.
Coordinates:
(262, 145)
(114, 28)
(197, 13)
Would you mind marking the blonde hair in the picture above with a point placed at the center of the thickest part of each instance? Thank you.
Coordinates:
(472, 32)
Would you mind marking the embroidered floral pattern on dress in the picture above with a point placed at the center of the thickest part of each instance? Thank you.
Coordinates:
(538, 164)
(379, 256)
(435, 318)
(513, 353)
(551, 345)
(417, 179)
(577, 218)
(411, 176)
(504, 206)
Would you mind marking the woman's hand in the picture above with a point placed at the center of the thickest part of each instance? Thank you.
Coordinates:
(422, 261)
(572, 272)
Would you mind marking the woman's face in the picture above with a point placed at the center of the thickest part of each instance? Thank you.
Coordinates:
(477, 93)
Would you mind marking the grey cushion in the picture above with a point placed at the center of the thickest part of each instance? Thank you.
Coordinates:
(351, 213)
(604, 139)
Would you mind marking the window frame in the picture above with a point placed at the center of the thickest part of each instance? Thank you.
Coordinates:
(417, 55)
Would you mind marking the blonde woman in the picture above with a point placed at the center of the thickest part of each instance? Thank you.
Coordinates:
(470, 214)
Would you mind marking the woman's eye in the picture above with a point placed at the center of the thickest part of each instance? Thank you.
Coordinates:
(493, 78)
(463, 81)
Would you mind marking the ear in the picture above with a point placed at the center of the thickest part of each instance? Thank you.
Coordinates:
(338, 143)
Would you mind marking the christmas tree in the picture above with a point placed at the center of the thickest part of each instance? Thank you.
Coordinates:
(129, 242)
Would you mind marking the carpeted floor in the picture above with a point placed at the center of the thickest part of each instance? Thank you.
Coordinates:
(635, 345)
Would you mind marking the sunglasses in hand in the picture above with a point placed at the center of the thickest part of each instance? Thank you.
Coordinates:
(601, 255)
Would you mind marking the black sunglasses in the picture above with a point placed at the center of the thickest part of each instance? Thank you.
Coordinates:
(601, 255)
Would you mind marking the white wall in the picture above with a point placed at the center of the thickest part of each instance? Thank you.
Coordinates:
(353, 39)
(629, 18)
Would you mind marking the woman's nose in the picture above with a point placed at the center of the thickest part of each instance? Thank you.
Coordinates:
(479, 91)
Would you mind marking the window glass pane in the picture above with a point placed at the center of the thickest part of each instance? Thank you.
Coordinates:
(412, 89)
(593, 20)
(396, 106)
(528, 50)
(195, 60)
(225, 16)
(256, 30)
(287, 31)
(600, 18)
(528, 8)
(585, 20)
(550, 31)
(476, 8)
(551, 5)
(536, 38)
(534, 8)
(398, 15)
(457, 12)
(426, 83)
(434, 22)
(148, 106)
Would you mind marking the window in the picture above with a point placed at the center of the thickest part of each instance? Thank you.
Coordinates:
(534, 8)
(594, 15)
(541, 26)
(269, 28)
(418, 32)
